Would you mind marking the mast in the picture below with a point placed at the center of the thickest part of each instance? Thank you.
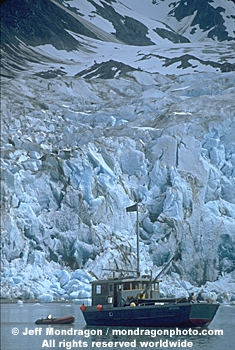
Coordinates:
(129, 209)
(137, 240)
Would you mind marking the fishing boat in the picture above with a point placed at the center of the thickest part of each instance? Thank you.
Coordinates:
(59, 320)
(135, 301)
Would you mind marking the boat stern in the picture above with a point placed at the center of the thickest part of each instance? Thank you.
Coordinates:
(201, 314)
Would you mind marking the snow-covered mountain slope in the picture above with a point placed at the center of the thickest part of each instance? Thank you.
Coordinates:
(196, 20)
(181, 21)
(91, 123)
(37, 34)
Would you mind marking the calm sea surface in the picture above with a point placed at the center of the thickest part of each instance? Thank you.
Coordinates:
(21, 319)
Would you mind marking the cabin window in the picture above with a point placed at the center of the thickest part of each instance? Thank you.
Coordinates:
(104, 287)
(144, 285)
(135, 285)
(153, 286)
(110, 287)
(118, 287)
(126, 286)
(98, 289)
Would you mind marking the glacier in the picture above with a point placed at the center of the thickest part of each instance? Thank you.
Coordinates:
(77, 152)
(102, 105)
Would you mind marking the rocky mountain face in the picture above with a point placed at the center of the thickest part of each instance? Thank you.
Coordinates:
(91, 125)
(27, 25)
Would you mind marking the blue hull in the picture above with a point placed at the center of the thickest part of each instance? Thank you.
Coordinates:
(168, 315)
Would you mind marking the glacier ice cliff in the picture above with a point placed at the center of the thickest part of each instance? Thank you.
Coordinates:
(76, 153)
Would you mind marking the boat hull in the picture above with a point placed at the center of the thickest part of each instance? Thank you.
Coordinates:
(59, 320)
(168, 315)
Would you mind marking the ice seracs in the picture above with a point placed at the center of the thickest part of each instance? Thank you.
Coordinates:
(77, 149)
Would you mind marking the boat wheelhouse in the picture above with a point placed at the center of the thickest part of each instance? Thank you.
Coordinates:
(121, 292)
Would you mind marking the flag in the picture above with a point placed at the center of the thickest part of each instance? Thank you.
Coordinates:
(132, 208)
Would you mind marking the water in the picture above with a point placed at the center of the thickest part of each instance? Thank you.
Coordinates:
(23, 318)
